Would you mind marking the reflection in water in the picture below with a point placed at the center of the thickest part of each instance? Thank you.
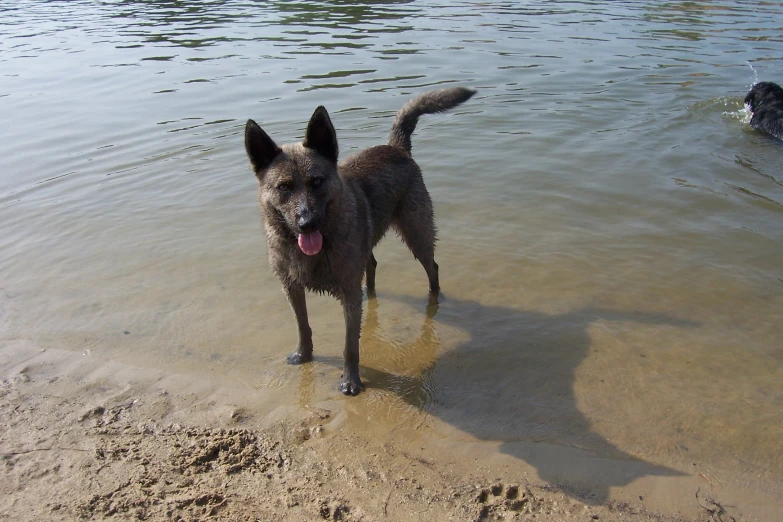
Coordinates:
(344, 14)
(413, 362)
(306, 385)
(178, 24)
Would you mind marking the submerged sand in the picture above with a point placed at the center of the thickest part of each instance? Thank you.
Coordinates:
(86, 439)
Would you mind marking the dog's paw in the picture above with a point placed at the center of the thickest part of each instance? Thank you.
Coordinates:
(299, 358)
(350, 385)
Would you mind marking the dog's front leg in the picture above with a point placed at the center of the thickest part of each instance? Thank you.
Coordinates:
(350, 383)
(304, 351)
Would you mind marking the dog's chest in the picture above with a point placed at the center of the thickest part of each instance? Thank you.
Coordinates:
(314, 273)
(317, 277)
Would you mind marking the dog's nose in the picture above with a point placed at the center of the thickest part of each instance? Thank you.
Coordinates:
(307, 222)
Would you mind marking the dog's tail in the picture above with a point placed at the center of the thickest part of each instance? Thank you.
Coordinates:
(427, 103)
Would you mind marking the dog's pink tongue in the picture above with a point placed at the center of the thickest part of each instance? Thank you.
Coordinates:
(311, 243)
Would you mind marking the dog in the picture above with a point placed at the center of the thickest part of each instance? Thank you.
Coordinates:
(322, 218)
(765, 103)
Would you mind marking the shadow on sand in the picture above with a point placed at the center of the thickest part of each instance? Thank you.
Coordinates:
(511, 381)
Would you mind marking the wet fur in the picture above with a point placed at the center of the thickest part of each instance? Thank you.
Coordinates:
(352, 204)
(765, 102)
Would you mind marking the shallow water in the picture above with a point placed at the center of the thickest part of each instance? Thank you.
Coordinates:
(611, 231)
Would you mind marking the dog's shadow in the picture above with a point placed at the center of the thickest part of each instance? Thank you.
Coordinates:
(511, 380)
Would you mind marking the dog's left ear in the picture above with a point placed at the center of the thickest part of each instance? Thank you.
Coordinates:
(320, 135)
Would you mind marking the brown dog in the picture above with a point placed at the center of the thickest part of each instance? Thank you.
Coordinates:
(322, 219)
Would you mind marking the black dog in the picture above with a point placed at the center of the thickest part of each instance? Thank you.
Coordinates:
(765, 103)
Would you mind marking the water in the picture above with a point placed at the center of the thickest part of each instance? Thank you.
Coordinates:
(611, 230)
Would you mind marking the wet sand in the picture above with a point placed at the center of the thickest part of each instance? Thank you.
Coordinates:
(90, 439)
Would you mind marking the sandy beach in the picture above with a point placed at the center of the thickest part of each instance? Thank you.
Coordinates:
(85, 439)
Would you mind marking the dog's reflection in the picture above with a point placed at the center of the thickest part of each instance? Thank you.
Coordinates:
(404, 368)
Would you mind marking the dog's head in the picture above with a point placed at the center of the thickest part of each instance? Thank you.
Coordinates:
(763, 93)
(299, 182)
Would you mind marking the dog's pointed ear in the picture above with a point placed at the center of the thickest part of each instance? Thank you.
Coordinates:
(259, 146)
(320, 135)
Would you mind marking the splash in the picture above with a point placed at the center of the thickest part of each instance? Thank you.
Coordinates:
(744, 115)
(741, 114)
(755, 75)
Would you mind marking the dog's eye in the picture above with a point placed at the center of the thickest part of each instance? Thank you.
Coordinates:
(284, 187)
(317, 182)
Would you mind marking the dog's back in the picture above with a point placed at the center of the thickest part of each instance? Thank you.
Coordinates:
(765, 102)
(381, 177)
(389, 179)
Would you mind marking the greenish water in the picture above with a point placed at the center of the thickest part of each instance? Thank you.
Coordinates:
(611, 230)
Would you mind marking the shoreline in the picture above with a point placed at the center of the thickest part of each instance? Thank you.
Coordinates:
(93, 440)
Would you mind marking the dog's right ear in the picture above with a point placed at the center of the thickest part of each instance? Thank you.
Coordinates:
(259, 146)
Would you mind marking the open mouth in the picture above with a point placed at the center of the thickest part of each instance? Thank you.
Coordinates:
(311, 242)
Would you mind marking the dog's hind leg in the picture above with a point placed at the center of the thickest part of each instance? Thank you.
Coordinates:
(304, 351)
(370, 273)
(416, 224)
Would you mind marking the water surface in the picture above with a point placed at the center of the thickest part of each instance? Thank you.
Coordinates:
(611, 230)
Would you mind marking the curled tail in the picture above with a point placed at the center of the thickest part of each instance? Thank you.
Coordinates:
(427, 103)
